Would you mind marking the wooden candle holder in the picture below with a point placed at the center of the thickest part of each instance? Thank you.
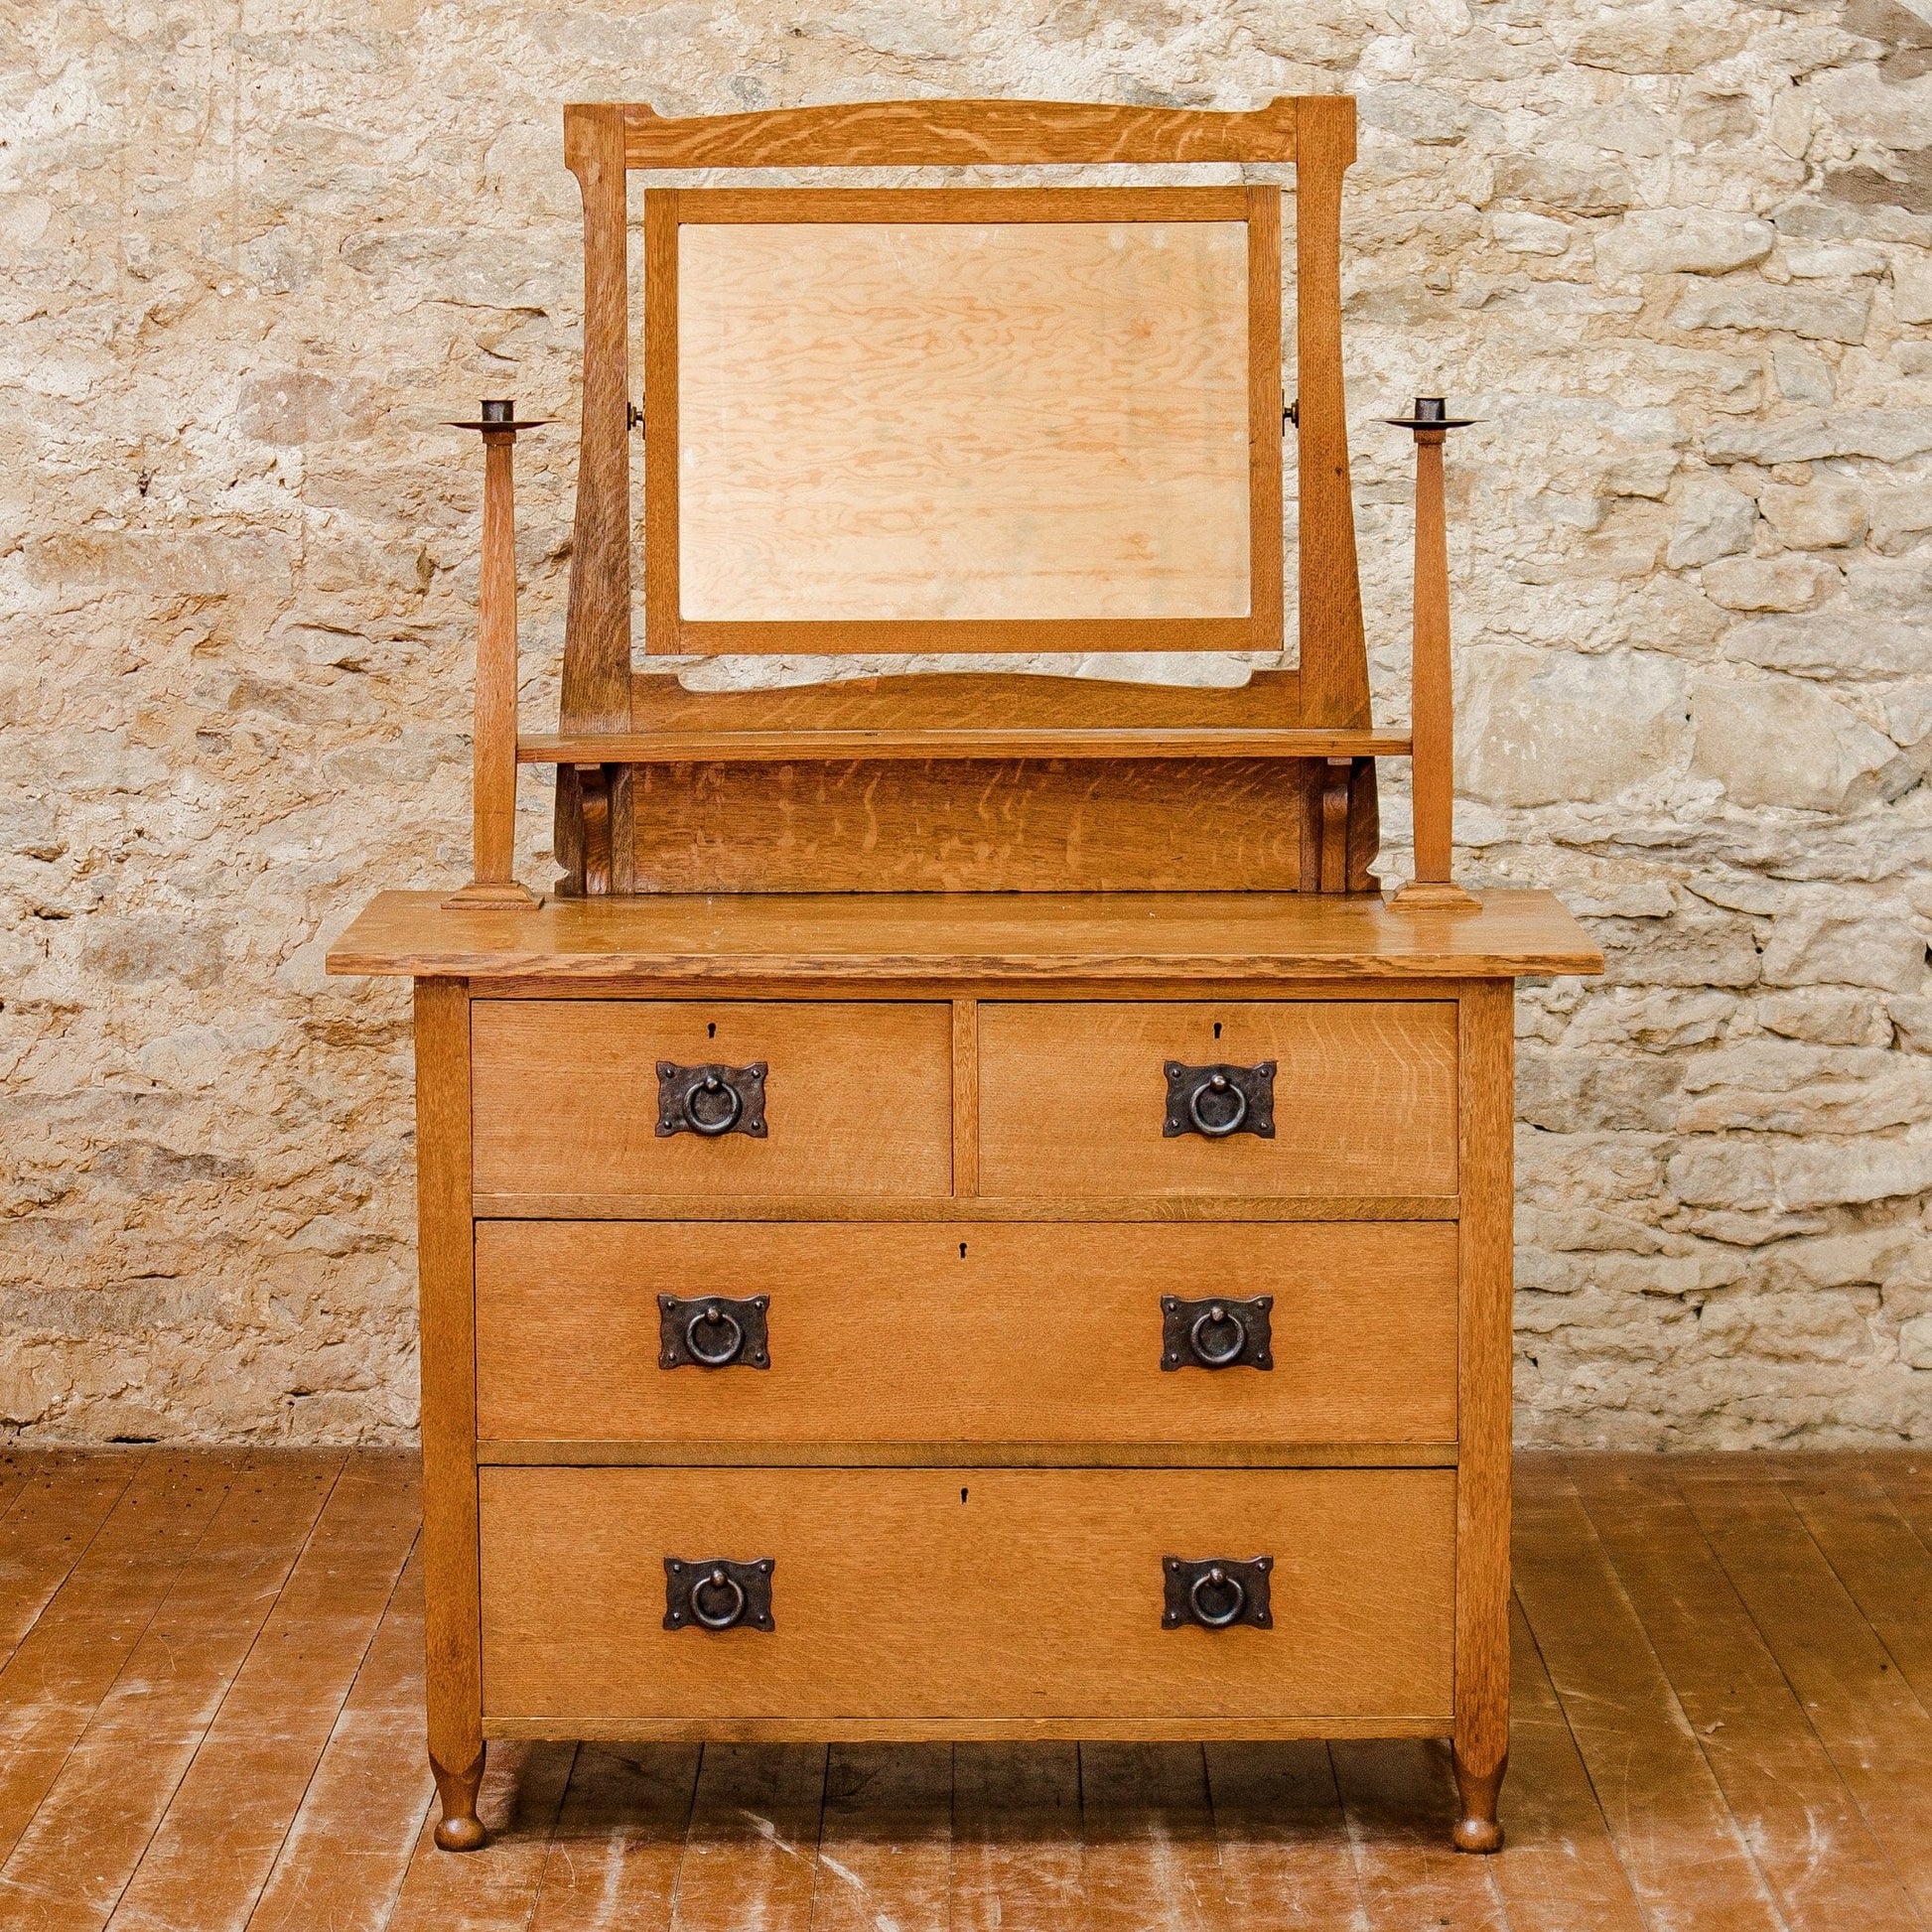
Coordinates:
(493, 803)
(1432, 730)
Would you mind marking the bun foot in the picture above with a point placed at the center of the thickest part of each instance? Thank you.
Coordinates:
(460, 1829)
(1477, 1791)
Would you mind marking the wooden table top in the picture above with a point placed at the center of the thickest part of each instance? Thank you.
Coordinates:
(953, 936)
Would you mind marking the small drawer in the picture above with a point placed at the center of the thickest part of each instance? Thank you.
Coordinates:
(923, 1594)
(1074, 1099)
(857, 1098)
(989, 1333)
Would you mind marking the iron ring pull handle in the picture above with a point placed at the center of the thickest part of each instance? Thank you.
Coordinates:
(1218, 1084)
(1216, 1316)
(1218, 1578)
(714, 1084)
(711, 1316)
(724, 1581)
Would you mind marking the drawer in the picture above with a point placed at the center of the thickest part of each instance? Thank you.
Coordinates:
(935, 1594)
(1073, 1098)
(858, 1097)
(927, 1333)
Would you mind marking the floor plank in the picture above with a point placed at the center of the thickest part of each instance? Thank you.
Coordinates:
(47, 1526)
(1859, 1702)
(55, 1681)
(754, 1840)
(619, 1837)
(885, 1842)
(1559, 1869)
(68, 1871)
(1400, 1802)
(1148, 1861)
(218, 1840)
(1286, 1858)
(1776, 1776)
(1687, 1860)
(495, 1889)
(1015, 1838)
(341, 1866)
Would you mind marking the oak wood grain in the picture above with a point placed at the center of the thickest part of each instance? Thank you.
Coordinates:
(573, 1593)
(1334, 659)
(954, 133)
(447, 1320)
(614, 1857)
(1018, 741)
(1248, 938)
(858, 1098)
(1363, 1319)
(1073, 1097)
(1486, 1119)
(702, 1206)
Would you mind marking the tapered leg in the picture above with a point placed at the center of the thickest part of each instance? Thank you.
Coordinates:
(451, 1617)
(1476, 1792)
(460, 1829)
(1485, 1247)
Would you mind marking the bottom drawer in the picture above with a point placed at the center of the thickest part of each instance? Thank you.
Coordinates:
(966, 1594)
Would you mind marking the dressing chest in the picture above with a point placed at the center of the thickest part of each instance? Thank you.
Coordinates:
(968, 1214)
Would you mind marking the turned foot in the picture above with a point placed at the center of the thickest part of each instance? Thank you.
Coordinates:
(1476, 1792)
(460, 1829)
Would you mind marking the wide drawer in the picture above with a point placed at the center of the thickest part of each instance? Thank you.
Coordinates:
(1073, 1098)
(935, 1594)
(928, 1332)
(858, 1097)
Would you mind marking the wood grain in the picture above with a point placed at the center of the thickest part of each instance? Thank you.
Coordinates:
(1364, 1322)
(986, 418)
(757, 1816)
(1486, 1160)
(1684, 1853)
(217, 1841)
(76, 1646)
(857, 1099)
(702, 1204)
(48, 1527)
(1016, 1837)
(965, 1098)
(70, 1864)
(1432, 693)
(1018, 741)
(1334, 659)
(1157, 938)
(998, 1611)
(966, 826)
(1283, 1845)
(885, 1838)
(343, 1861)
(447, 1317)
(1148, 1850)
(966, 701)
(1754, 1731)
(619, 1841)
(953, 133)
(1073, 1097)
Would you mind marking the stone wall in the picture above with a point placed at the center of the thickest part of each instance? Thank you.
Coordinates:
(1678, 256)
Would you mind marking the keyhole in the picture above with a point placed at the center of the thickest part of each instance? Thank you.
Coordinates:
(962, 1251)
(1218, 1029)
(962, 1495)
(711, 1031)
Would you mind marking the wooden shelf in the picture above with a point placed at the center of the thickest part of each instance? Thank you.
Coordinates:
(839, 747)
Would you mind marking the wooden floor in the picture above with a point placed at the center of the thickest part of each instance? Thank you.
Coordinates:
(210, 1718)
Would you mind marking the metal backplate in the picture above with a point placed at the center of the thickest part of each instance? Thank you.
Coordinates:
(1216, 1333)
(711, 1331)
(1217, 1101)
(711, 1100)
(715, 1594)
(1216, 1592)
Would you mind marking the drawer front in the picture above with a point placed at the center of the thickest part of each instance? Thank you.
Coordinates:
(1073, 1099)
(986, 1332)
(930, 1594)
(858, 1097)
